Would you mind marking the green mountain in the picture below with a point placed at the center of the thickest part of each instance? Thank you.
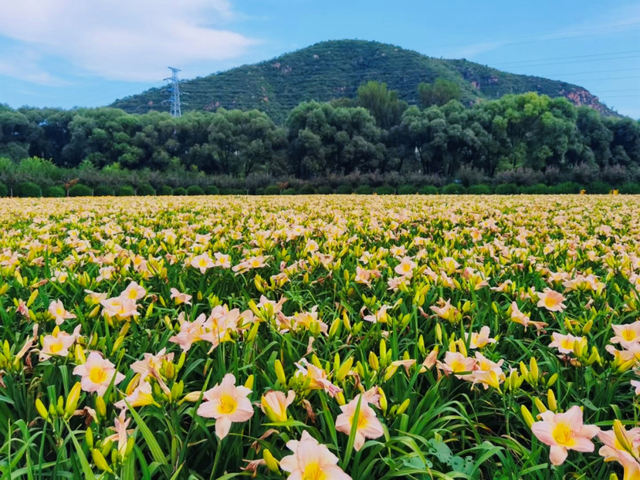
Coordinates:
(335, 69)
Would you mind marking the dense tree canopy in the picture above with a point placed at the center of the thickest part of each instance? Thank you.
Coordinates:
(374, 132)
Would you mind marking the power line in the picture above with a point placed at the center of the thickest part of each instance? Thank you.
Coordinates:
(569, 57)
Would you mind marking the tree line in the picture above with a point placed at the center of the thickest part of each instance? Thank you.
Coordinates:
(521, 139)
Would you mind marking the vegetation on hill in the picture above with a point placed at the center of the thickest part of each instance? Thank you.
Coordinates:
(336, 69)
(374, 140)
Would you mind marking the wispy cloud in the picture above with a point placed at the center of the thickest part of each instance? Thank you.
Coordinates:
(132, 40)
(618, 20)
(23, 64)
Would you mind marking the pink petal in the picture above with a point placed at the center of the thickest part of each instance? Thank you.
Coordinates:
(558, 455)
(223, 425)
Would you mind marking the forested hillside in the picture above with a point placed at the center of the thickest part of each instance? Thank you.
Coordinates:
(335, 69)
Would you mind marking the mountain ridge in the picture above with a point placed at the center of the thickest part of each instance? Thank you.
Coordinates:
(336, 68)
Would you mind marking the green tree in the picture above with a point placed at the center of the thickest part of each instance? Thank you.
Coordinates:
(382, 103)
(438, 93)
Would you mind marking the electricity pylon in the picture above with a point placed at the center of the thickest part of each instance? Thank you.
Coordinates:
(176, 107)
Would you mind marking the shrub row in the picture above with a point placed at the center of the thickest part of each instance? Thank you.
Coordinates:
(30, 189)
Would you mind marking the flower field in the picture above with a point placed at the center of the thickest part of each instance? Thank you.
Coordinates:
(320, 337)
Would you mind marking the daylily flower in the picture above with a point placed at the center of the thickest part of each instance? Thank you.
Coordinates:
(120, 426)
(565, 343)
(97, 374)
(551, 300)
(133, 292)
(405, 267)
(367, 424)
(380, 316)
(202, 262)
(613, 450)
(626, 334)
(317, 377)
(140, 397)
(57, 311)
(480, 340)
(180, 298)
(563, 432)
(226, 403)
(58, 343)
(456, 363)
(523, 319)
(311, 460)
(274, 404)
(151, 362)
(120, 307)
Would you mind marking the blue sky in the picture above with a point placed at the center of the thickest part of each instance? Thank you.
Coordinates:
(66, 53)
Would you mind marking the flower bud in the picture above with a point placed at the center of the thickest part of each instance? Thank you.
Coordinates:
(272, 463)
(280, 373)
(41, 409)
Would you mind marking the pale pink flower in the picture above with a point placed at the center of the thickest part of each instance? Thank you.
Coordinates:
(222, 260)
(250, 264)
(180, 298)
(626, 334)
(274, 404)
(380, 316)
(97, 374)
(202, 262)
(523, 319)
(226, 403)
(151, 363)
(612, 450)
(551, 300)
(140, 397)
(488, 373)
(446, 311)
(120, 307)
(317, 377)
(133, 292)
(190, 332)
(457, 364)
(367, 424)
(563, 432)
(565, 343)
(57, 311)
(365, 276)
(120, 426)
(58, 343)
(480, 340)
(270, 306)
(311, 460)
(405, 267)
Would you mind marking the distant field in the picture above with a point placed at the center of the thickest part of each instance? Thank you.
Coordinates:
(320, 337)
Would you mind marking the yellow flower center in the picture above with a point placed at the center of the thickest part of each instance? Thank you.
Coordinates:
(563, 434)
(59, 311)
(362, 421)
(97, 374)
(567, 344)
(255, 263)
(133, 294)
(406, 267)
(55, 347)
(458, 366)
(228, 404)
(202, 262)
(550, 302)
(313, 472)
(629, 334)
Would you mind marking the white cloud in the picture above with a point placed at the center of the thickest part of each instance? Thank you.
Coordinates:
(132, 40)
(23, 64)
